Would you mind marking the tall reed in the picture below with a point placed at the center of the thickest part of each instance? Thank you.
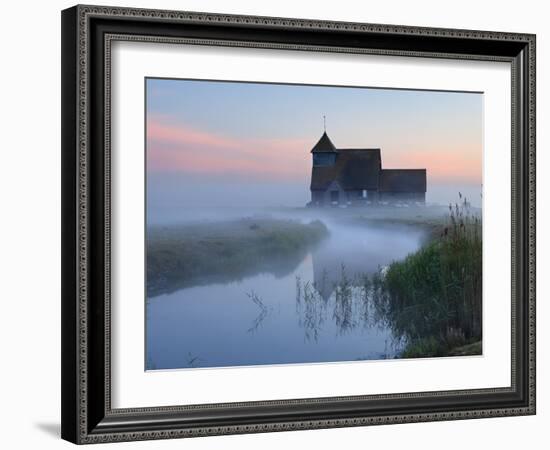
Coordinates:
(434, 296)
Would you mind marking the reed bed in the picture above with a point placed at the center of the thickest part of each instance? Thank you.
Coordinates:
(434, 296)
(432, 300)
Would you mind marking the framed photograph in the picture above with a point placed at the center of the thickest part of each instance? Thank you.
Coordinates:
(267, 221)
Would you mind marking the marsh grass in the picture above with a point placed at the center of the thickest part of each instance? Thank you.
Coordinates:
(348, 306)
(434, 296)
(261, 315)
(192, 255)
(343, 312)
(310, 309)
(431, 300)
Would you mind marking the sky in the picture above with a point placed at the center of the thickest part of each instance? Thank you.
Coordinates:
(248, 144)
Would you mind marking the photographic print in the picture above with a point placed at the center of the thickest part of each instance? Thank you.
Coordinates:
(254, 207)
(299, 224)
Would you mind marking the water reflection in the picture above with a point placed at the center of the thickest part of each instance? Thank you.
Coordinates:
(321, 310)
(261, 315)
(343, 272)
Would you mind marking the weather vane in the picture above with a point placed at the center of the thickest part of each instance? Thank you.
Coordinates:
(325, 123)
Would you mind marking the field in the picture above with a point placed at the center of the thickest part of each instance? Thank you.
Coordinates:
(434, 296)
(431, 298)
(195, 254)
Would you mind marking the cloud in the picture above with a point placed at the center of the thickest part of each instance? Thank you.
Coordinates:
(442, 164)
(177, 148)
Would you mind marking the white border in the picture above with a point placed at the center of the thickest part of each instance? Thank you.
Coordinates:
(132, 387)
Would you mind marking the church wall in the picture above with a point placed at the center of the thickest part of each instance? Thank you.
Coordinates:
(328, 198)
(355, 197)
(317, 197)
(358, 196)
(324, 159)
(402, 197)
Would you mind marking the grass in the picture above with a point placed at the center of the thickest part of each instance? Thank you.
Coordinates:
(432, 347)
(191, 255)
(433, 297)
(430, 219)
(432, 300)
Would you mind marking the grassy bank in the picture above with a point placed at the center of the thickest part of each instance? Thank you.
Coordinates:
(431, 220)
(433, 297)
(191, 255)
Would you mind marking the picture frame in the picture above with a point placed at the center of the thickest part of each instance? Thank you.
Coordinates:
(88, 415)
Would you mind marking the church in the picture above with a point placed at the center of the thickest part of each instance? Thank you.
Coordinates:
(354, 176)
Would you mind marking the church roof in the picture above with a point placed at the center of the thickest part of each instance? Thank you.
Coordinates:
(324, 145)
(354, 169)
(403, 180)
(361, 169)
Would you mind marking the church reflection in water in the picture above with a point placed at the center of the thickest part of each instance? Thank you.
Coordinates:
(336, 295)
(333, 265)
(340, 293)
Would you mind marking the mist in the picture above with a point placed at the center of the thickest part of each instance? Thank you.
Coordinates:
(247, 258)
(240, 271)
(178, 198)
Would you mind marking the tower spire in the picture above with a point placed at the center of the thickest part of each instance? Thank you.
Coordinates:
(324, 123)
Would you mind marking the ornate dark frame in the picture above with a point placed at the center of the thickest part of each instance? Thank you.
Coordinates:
(87, 32)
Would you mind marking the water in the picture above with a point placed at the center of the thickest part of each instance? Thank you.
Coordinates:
(280, 318)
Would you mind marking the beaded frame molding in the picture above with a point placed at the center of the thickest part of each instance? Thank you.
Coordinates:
(87, 35)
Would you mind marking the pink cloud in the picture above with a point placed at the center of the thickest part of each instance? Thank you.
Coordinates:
(169, 133)
(183, 149)
(460, 164)
(177, 148)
